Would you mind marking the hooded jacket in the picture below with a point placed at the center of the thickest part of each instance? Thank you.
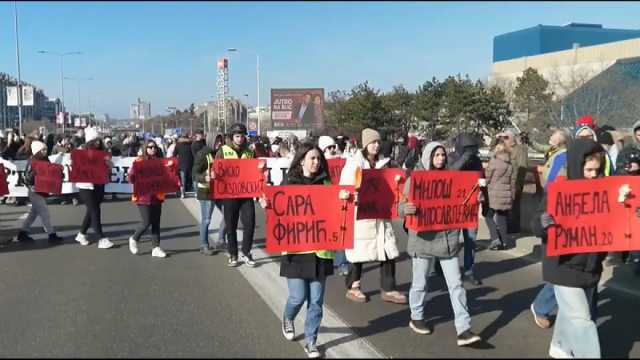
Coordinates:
(465, 156)
(441, 244)
(374, 239)
(574, 270)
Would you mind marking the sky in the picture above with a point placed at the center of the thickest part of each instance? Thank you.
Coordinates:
(166, 52)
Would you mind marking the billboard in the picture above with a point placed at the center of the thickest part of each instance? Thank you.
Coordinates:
(27, 95)
(297, 109)
(12, 96)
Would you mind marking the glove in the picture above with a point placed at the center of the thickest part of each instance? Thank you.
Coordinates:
(547, 220)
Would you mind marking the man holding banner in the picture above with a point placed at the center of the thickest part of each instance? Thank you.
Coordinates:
(237, 208)
(442, 243)
(575, 277)
(38, 202)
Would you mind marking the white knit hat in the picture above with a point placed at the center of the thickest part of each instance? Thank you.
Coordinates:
(325, 141)
(37, 146)
(90, 133)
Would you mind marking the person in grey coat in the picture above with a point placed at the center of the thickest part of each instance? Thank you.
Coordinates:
(427, 247)
(501, 186)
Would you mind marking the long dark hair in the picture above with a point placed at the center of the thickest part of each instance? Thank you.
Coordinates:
(158, 150)
(95, 144)
(295, 170)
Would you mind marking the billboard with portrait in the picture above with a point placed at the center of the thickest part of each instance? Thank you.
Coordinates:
(297, 109)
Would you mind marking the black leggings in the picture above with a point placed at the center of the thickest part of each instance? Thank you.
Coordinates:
(242, 209)
(92, 200)
(150, 217)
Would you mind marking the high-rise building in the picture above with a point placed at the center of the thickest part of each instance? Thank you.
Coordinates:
(140, 110)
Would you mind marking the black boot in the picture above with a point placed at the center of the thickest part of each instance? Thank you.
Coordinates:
(53, 237)
(23, 236)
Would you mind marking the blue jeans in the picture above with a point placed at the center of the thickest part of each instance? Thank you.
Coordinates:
(469, 236)
(340, 259)
(575, 332)
(545, 302)
(457, 294)
(311, 291)
(206, 209)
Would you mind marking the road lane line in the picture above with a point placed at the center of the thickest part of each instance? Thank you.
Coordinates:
(267, 282)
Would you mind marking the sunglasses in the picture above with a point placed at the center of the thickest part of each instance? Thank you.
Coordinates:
(151, 147)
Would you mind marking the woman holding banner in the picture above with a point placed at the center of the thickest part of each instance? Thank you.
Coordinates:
(38, 202)
(306, 272)
(575, 277)
(374, 239)
(150, 206)
(92, 196)
(427, 247)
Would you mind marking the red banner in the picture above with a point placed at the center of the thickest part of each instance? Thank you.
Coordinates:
(589, 217)
(48, 177)
(4, 186)
(89, 166)
(335, 168)
(238, 179)
(445, 200)
(155, 176)
(307, 218)
(379, 193)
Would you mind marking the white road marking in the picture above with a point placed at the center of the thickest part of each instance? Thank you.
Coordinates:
(267, 282)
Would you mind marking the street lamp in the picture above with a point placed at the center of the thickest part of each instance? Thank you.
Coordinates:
(257, 84)
(15, 13)
(61, 55)
(246, 96)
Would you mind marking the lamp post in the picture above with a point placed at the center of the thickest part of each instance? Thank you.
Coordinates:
(61, 55)
(257, 84)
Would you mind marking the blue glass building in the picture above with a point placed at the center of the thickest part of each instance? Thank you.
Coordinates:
(542, 39)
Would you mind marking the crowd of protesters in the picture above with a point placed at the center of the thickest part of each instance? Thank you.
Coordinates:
(570, 288)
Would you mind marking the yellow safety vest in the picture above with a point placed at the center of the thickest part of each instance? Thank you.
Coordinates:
(229, 153)
(209, 162)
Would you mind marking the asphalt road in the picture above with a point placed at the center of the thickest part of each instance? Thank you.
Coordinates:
(75, 301)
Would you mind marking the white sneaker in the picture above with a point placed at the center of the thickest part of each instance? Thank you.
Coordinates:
(158, 252)
(104, 243)
(133, 246)
(557, 353)
(82, 239)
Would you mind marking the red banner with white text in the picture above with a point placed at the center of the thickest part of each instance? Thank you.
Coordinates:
(4, 186)
(155, 176)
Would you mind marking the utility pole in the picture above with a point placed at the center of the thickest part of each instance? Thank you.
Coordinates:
(15, 11)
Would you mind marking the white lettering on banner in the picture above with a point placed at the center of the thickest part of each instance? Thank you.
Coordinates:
(119, 179)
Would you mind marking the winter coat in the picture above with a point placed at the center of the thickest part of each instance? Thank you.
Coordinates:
(374, 239)
(501, 184)
(185, 157)
(306, 265)
(520, 163)
(201, 166)
(196, 146)
(465, 156)
(442, 244)
(573, 270)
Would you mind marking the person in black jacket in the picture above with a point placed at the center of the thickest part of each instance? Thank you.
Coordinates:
(574, 277)
(465, 157)
(38, 202)
(306, 272)
(185, 163)
(202, 177)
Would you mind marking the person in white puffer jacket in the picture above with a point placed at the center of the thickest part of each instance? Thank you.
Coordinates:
(374, 240)
(92, 196)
